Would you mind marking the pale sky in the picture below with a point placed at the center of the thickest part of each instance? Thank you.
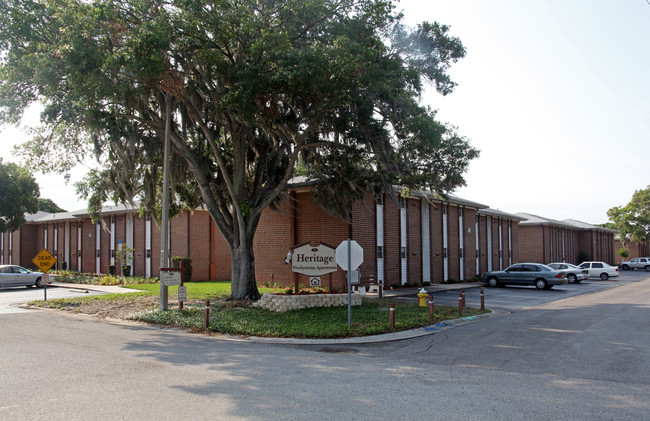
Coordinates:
(555, 94)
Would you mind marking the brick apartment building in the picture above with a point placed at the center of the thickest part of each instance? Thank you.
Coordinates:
(423, 238)
(547, 240)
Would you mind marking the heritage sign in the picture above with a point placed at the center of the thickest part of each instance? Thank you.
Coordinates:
(314, 260)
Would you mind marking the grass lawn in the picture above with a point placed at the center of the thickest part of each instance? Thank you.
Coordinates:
(239, 318)
(206, 290)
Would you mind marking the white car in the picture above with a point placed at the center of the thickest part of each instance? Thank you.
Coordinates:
(600, 270)
(17, 276)
(636, 263)
(573, 273)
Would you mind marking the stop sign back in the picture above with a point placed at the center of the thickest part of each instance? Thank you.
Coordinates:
(356, 255)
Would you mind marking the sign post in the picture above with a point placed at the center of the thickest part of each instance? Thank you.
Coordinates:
(349, 255)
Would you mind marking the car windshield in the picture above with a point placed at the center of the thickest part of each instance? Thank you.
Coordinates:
(545, 268)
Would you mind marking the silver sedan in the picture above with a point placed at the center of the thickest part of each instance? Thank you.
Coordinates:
(574, 274)
(16, 276)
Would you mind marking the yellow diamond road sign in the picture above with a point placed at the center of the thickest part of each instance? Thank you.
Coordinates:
(44, 260)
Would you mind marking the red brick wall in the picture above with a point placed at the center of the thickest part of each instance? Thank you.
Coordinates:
(199, 244)
(414, 240)
(435, 223)
(392, 260)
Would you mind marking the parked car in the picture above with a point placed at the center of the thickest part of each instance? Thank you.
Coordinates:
(16, 276)
(574, 274)
(636, 263)
(542, 276)
(600, 270)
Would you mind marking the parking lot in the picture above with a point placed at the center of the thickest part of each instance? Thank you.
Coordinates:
(517, 298)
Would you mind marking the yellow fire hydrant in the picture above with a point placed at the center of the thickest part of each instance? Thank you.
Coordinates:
(422, 298)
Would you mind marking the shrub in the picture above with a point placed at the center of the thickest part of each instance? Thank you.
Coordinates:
(583, 257)
(623, 252)
(187, 264)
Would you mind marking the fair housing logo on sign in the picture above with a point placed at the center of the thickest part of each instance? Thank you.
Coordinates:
(314, 260)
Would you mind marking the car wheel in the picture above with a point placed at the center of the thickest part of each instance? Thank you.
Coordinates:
(493, 282)
(647, 268)
(626, 267)
(38, 283)
(604, 276)
(572, 278)
(540, 284)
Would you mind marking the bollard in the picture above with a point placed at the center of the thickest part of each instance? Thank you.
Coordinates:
(206, 322)
(431, 307)
(482, 300)
(392, 315)
(462, 291)
(460, 303)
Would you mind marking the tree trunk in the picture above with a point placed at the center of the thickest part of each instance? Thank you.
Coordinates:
(243, 284)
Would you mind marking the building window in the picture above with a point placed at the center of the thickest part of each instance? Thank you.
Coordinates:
(402, 202)
(380, 252)
(444, 253)
(380, 200)
(99, 253)
(148, 253)
(403, 252)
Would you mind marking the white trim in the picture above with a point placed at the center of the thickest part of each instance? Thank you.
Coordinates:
(98, 247)
(147, 246)
(380, 239)
(79, 230)
(112, 248)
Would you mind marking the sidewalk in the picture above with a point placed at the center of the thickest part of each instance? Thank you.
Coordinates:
(431, 289)
(106, 289)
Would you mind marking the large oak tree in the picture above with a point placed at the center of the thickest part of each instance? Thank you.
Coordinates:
(254, 87)
(18, 196)
(632, 221)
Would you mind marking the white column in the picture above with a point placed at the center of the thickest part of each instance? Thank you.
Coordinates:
(380, 237)
(402, 219)
(147, 245)
(98, 247)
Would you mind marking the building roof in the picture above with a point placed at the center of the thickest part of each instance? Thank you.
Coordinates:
(32, 217)
(500, 214)
(530, 219)
(586, 226)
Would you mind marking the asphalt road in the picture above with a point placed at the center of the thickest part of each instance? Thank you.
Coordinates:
(581, 358)
(11, 298)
